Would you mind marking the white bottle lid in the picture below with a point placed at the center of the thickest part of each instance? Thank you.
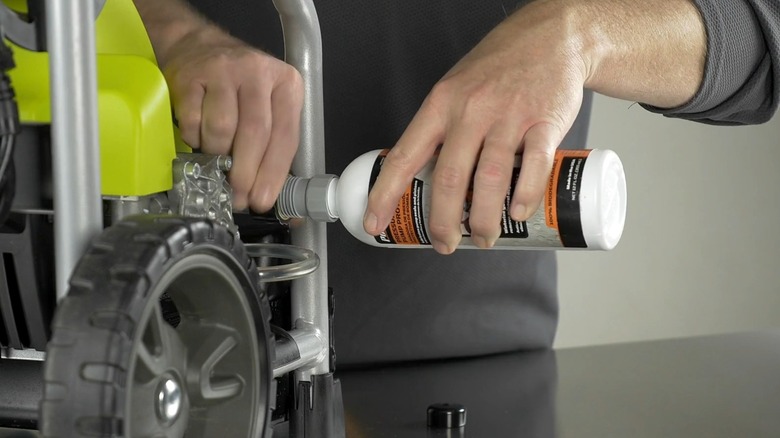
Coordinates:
(603, 199)
(352, 195)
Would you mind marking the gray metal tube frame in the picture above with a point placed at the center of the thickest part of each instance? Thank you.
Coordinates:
(303, 50)
(70, 37)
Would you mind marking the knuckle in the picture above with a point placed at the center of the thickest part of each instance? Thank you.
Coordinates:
(440, 94)
(440, 89)
(291, 75)
(244, 62)
(398, 160)
(448, 178)
(221, 126)
(492, 175)
(252, 56)
(293, 83)
(179, 79)
(474, 101)
(540, 159)
(541, 155)
(221, 61)
(255, 63)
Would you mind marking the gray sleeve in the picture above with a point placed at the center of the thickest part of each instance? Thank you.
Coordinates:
(741, 83)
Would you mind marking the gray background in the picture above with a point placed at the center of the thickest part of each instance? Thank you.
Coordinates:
(701, 250)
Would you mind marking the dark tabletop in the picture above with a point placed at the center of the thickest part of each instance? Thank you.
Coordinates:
(719, 386)
(709, 387)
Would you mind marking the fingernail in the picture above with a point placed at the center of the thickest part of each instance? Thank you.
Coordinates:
(441, 247)
(370, 223)
(518, 212)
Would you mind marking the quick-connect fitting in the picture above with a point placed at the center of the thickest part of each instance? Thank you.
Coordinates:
(313, 197)
(291, 202)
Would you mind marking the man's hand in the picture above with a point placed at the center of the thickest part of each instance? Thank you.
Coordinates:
(520, 89)
(228, 98)
(505, 93)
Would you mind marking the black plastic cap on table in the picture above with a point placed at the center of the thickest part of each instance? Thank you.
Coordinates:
(446, 415)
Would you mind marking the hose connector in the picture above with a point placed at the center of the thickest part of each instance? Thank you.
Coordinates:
(313, 197)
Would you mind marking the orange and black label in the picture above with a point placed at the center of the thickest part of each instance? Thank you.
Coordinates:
(408, 224)
(511, 228)
(562, 201)
(407, 227)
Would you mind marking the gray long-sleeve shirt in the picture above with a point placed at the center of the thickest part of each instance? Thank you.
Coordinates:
(741, 82)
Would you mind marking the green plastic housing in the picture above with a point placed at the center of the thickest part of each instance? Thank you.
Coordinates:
(135, 122)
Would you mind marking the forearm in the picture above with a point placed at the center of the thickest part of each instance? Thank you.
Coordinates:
(649, 51)
(167, 22)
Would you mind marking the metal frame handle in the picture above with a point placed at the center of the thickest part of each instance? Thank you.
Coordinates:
(303, 50)
(70, 37)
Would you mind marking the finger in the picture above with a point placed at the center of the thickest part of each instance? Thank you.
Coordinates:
(491, 182)
(220, 118)
(287, 102)
(251, 141)
(451, 179)
(539, 144)
(413, 150)
(187, 106)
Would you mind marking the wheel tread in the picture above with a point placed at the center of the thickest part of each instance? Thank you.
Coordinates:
(103, 373)
(114, 321)
(94, 326)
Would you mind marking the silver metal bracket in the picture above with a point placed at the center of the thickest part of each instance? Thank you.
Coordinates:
(200, 188)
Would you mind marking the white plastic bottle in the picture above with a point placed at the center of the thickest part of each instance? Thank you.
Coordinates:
(584, 205)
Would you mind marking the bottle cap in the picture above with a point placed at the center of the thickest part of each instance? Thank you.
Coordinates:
(446, 415)
(603, 199)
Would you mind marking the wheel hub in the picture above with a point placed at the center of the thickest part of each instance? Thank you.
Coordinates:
(168, 400)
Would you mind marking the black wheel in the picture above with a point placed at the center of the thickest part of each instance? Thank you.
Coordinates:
(163, 334)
